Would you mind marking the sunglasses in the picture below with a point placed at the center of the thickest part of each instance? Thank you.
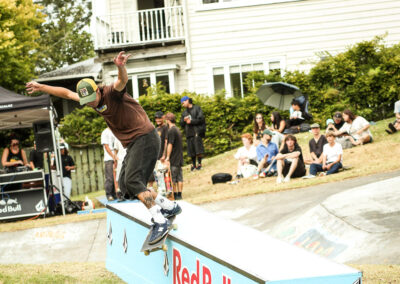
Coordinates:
(258, 117)
(15, 144)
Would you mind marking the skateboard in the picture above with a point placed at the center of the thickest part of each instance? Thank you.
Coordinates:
(160, 245)
(163, 179)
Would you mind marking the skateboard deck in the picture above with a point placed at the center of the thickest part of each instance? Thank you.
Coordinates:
(160, 245)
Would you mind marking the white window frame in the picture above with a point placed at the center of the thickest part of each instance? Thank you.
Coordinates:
(227, 77)
(237, 3)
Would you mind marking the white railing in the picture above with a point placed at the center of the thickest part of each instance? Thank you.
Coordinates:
(144, 26)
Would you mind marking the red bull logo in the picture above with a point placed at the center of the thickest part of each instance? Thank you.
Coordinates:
(10, 205)
(202, 274)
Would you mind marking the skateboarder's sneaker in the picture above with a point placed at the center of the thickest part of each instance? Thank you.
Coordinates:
(173, 212)
(159, 230)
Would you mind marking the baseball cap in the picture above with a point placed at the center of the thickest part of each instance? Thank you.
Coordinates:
(270, 133)
(185, 98)
(337, 114)
(329, 120)
(86, 89)
(158, 114)
(315, 125)
(62, 146)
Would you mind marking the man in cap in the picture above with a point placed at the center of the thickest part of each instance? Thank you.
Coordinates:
(130, 124)
(316, 145)
(266, 152)
(194, 124)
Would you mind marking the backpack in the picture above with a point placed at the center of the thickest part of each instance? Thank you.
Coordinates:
(221, 178)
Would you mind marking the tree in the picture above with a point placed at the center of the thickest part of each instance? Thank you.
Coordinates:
(64, 38)
(19, 24)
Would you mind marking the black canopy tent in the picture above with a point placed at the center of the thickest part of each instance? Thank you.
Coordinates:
(18, 111)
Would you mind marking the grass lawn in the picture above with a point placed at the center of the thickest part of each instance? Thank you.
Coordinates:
(97, 273)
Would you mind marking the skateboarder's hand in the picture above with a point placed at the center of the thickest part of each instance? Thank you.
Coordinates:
(32, 87)
(121, 59)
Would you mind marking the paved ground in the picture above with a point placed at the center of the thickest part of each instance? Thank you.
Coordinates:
(353, 221)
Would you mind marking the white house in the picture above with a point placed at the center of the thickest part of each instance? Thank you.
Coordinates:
(207, 45)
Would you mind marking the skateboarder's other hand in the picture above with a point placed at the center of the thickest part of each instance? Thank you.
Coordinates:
(121, 58)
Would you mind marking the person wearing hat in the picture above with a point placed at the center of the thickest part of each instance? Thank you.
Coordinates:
(194, 125)
(266, 152)
(316, 145)
(130, 124)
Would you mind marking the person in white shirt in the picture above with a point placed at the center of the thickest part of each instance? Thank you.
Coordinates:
(120, 153)
(246, 155)
(356, 129)
(107, 140)
(395, 126)
(332, 157)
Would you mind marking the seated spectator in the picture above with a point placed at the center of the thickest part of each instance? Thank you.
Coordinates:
(332, 158)
(338, 120)
(296, 116)
(316, 145)
(245, 155)
(355, 129)
(13, 156)
(278, 123)
(258, 128)
(330, 125)
(290, 161)
(266, 152)
(395, 126)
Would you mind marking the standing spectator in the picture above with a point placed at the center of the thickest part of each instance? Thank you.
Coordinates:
(68, 165)
(120, 153)
(356, 129)
(194, 124)
(175, 155)
(36, 158)
(108, 141)
(162, 130)
(290, 161)
(332, 157)
(13, 156)
(258, 127)
(266, 152)
(395, 126)
(245, 155)
(316, 145)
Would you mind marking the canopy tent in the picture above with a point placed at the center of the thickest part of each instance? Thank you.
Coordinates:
(18, 111)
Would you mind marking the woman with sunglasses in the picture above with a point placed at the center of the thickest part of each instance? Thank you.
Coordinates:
(13, 156)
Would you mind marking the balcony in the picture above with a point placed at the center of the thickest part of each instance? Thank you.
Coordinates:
(141, 27)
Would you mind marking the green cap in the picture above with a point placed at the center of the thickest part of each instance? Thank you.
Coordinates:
(270, 133)
(86, 89)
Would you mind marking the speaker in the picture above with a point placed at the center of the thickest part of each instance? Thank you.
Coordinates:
(43, 137)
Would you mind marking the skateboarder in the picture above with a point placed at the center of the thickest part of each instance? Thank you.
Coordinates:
(131, 125)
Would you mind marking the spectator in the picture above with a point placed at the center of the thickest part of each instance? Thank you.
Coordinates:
(194, 125)
(266, 152)
(108, 141)
(68, 165)
(120, 153)
(395, 126)
(332, 158)
(290, 161)
(36, 158)
(258, 127)
(175, 155)
(162, 130)
(296, 117)
(330, 125)
(278, 124)
(356, 129)
(338, 120)
(245, 155)
(13, 156)
(316, 145)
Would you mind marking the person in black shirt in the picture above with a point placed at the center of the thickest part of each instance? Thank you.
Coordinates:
(175, 155)
(36, 158)
(67, 165)
(194, 124)
(13, 156)
(290, 160)
(316, 145)
(337, 122)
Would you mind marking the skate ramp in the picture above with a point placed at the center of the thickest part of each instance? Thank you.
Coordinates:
(207, 248)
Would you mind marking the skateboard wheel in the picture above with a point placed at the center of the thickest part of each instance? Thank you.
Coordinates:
(164, 247)
(146, 252)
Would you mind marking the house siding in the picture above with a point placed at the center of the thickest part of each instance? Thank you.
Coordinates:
(292, 31)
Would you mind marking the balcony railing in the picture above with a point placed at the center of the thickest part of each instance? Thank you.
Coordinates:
(139, 27)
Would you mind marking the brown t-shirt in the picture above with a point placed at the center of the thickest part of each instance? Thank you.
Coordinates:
(124, 116)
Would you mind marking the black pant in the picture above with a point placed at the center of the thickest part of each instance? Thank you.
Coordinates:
(109, 174)
(140, 160)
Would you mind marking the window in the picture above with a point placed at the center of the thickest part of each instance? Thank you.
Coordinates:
(138, 83)
(143, 84)
(232, 78)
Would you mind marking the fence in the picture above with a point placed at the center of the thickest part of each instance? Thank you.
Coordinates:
(89, 173)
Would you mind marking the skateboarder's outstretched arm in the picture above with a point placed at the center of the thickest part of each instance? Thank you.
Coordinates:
(120, 61)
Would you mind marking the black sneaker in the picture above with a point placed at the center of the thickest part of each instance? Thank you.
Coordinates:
(388, 131)
(192, 168)
(173, 212)
(391, 127)
(120, 196)
(159, 231)
(198, 167)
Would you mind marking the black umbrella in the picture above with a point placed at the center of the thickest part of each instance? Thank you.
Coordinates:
(278, 94)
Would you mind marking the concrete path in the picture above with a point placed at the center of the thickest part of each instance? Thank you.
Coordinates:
(354, 221)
